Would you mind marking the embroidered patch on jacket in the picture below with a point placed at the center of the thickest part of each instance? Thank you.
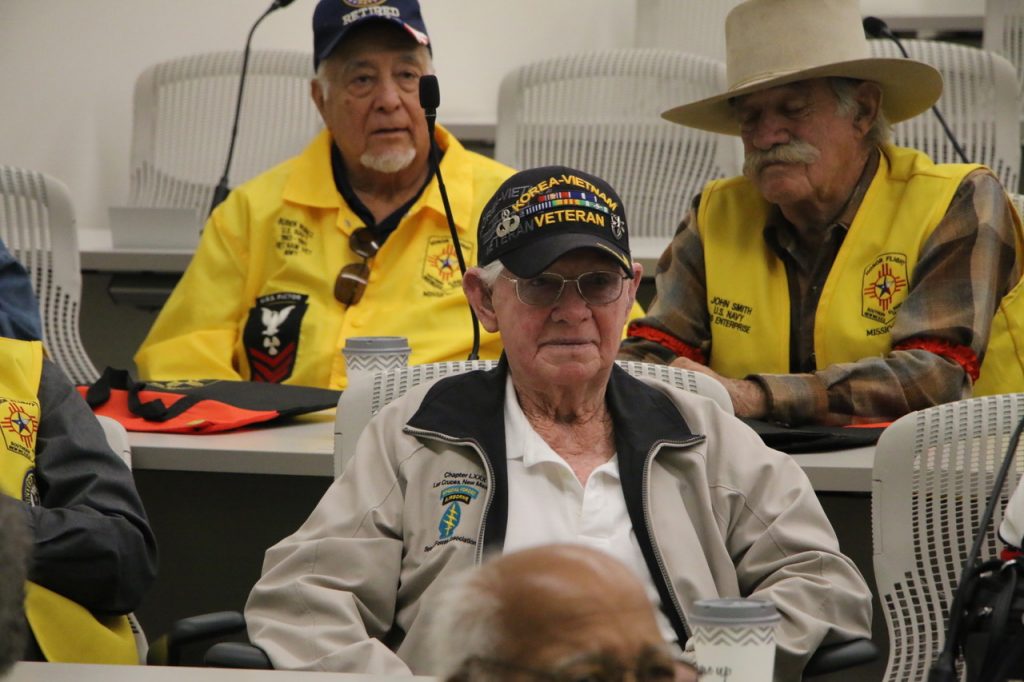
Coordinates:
(441, 266)
(458, 491)
(884, 287)
(29, 490)
(19, 426)
(271, 335)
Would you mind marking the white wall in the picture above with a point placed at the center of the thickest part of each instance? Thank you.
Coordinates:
(67, 67)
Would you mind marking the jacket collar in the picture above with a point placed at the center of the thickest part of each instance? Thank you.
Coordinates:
(310, 182)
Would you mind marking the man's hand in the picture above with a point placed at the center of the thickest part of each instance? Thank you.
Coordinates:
(748, 398)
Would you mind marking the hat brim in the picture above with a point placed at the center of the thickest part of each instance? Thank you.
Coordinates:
(533, 258)
(908, 88)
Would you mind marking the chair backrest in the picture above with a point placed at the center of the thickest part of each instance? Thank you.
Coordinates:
(183, 112)
(117, 439)
(1003, 33)
(931, 482)
(366, 396)
(37, 224)
(696, 26)
(980, 101)
(600, 112)
(1018, 202)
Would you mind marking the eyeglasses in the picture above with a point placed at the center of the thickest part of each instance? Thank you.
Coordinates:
(651, 667)
(596, 288)
(351, 281)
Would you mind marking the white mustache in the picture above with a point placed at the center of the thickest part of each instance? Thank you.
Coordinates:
(796, 151)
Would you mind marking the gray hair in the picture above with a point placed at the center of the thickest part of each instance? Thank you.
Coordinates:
(845, 90)
(466, 623)
(489, 273)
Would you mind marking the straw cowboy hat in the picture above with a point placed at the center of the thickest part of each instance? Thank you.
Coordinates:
(774, 42)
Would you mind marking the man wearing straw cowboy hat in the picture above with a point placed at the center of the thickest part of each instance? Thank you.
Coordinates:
(841, 279)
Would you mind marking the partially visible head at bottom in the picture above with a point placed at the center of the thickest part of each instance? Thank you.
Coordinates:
(559, 613)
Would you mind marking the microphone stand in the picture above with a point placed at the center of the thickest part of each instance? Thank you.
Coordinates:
(876, 28)
(220, 192)
(430, 99)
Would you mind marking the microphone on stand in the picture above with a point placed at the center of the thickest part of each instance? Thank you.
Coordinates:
(220, 192)
(430, 99)
(876, 28)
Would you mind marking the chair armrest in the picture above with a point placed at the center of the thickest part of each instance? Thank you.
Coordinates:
(166, 650)
(236, 655)
(839, 656)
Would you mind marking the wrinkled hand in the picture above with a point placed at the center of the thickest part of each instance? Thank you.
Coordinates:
(748, 398)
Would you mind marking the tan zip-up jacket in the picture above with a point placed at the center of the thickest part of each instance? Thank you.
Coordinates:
(716, 513)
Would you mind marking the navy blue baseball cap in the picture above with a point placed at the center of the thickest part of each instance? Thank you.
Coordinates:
(539, 215)
(333, 19)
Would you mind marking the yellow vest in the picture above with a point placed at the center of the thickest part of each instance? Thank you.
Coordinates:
(868, 282)
(66, 632)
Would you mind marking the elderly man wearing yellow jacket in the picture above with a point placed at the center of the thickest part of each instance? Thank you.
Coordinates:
(347, 239)
(841, 279)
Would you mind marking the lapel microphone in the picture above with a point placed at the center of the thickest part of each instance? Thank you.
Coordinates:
(430, 99)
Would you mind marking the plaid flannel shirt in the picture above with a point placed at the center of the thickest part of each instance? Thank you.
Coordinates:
(965, 267)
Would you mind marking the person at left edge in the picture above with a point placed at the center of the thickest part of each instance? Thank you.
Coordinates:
(93, 552)
(274, 288)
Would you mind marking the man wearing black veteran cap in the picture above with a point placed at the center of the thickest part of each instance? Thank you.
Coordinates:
(347, 239)
(842, 279)
(556, 444)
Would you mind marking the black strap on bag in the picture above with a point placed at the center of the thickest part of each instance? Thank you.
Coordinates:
(993, 628)
(153, 410)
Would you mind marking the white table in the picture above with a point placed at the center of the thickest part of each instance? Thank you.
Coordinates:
(927, 16)
(305, 447)
(98, 253)
(72, 672)
(301, 446)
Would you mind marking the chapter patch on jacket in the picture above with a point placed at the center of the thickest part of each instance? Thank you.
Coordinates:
(456, 492)
(441, 266)
(19, 424)
(271, 335)
(29, 490)
(885, 287)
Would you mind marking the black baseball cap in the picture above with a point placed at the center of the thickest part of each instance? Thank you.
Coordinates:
(539, 215)
(333, 19)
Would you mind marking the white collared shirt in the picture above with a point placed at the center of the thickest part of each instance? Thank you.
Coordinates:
(547, 503)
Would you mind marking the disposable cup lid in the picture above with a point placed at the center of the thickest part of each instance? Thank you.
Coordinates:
(376, 344)
(730, 611)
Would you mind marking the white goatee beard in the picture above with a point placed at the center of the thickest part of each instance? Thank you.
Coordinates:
(390, 161)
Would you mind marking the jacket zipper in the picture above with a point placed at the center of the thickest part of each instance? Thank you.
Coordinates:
(645, 504)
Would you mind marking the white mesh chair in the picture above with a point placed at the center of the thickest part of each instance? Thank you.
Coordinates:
(600, 112)
(931, 481)
(365, 397)
(183, 112)
(37, 224)
(981, 101)
(1003, 33)
(696, 26)
(117, 439)
(1018, 202)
